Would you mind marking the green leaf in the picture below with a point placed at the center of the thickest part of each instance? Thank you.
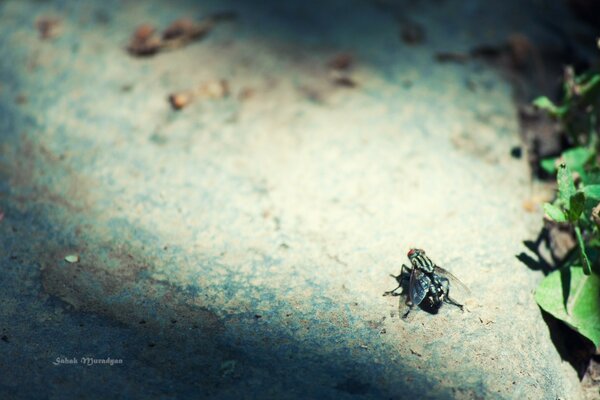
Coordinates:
(592, 176)
(547, 105)
(572, 297)
(585, 77)
(554, 212)
(549, 165)
(587, 267)
(576, 158)
(576, 206)
(566, 185)
(592, 192)
(590, 85)
(544, 103)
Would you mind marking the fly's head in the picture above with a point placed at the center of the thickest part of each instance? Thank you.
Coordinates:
(412, 253)
(419, 260)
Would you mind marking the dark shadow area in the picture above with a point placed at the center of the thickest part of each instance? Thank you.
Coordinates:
(572, 347)
(565, 280)
(545, 257)
(168, 345)
(537, 265)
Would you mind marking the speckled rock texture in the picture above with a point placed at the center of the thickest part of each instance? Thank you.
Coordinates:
(240, 247)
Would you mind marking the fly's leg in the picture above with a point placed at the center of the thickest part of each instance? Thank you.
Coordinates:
(446, 295)
(409, 304)
(401, 279)
(449, 300)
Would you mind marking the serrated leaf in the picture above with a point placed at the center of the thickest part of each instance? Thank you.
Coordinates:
(554, 213)
(566, 185)
(581, 310)
(576, 206)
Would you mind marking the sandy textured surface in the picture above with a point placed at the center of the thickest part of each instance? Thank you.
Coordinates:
(240, 247)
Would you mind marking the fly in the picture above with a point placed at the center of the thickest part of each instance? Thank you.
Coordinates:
(426, 281)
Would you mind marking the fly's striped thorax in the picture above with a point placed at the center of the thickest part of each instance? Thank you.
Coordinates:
(422, 262)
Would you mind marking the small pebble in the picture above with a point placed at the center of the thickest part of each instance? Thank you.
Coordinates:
(72, 258)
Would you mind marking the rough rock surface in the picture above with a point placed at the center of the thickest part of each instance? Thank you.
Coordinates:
(240, 247)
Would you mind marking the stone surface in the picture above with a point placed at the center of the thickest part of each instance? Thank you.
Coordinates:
(240, 247)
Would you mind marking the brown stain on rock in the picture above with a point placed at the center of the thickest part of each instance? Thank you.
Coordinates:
(37, 175)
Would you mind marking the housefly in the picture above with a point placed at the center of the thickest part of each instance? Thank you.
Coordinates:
(428, 284)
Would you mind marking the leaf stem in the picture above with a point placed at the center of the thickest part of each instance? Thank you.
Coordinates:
(582, 254)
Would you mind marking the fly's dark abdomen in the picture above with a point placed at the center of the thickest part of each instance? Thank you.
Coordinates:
(425, 281)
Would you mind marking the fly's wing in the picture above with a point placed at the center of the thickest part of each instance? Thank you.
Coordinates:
(456, 285)
(418, 286)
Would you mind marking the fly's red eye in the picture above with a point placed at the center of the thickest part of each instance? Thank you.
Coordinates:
(411, 252)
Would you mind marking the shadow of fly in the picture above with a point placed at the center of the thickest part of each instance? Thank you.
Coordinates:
(428, 284)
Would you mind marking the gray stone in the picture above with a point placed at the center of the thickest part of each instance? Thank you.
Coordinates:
(240, 247)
